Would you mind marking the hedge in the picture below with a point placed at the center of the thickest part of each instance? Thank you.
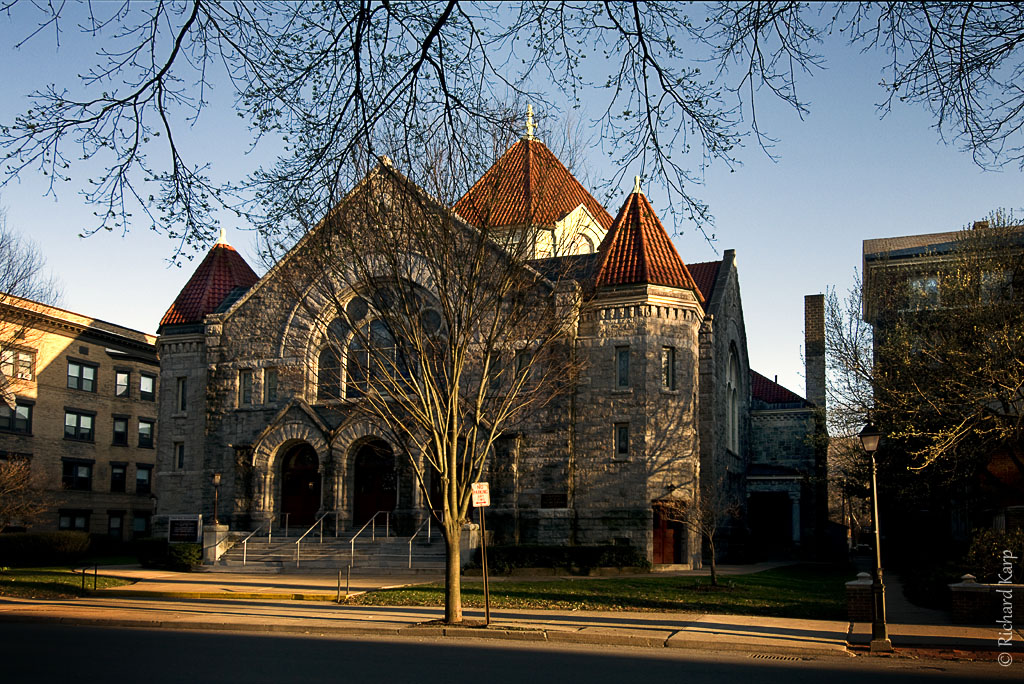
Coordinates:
(24, 549)
(504, 559)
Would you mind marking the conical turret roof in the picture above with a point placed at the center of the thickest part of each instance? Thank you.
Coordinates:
(222, 271)
(527, 186)
(637, 249)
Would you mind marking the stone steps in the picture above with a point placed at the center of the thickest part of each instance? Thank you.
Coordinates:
(387, 555)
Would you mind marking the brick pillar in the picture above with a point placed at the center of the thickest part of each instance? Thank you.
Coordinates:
(814, 348)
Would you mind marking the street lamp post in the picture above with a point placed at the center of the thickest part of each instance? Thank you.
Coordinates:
(880, 643)
(216, 497)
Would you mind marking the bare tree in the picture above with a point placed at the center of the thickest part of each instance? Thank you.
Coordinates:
(24, 285)
(712, 510)
(20, 501)
(442, 334)
(329, 85)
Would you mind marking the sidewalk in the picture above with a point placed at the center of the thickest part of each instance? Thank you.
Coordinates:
(271, 604)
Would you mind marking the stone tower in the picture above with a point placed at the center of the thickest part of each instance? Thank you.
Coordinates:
(184, 469)
(639, 445)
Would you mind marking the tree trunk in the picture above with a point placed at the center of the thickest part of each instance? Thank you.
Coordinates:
(452, 577)
(714, 569)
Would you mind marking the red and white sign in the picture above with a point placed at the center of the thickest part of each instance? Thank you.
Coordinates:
(481, 494)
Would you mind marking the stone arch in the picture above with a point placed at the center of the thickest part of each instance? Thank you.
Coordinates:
(266, 456)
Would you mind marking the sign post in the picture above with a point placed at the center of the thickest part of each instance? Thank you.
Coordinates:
(482, 499)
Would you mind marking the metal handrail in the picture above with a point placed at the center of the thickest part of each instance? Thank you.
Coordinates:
(319, 521)
(414, 534)
(245, 543)
(372, 524)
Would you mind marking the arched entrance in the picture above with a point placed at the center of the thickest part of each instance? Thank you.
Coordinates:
(300, 485)
(375, 481)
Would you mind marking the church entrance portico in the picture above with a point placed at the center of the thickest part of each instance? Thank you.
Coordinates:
(375, 481)
(300, 485)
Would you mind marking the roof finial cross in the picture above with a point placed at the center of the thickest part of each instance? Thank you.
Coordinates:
(530, 126)
(636, 185)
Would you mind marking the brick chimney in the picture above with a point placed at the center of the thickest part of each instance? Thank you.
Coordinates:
(814, 348)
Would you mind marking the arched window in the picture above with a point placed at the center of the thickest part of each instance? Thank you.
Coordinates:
(386, 357)
(732, 403)
(328, 374)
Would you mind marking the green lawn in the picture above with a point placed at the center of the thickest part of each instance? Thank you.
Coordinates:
(50, 583)
(796, 591)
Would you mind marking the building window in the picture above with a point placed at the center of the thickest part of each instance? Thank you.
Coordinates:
(146, 433)
(19, 364)
(732, 404)
(181, 396)
(270, 386)
(147, 387)
(115, 526)
(73, 520)
(120, 431)
(143, 478)
(77, 475)
(245, 388)
(668, 368)
(118, 476)
(78, 425)
(122, 383)
(996, 286)
(140, 524)
(18, 420)
(328, 375)
(179, 455)
(81, 376)
(622, 367)
(622, 440)
(924, 292)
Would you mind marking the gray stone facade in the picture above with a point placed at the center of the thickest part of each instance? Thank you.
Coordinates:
(588, 468)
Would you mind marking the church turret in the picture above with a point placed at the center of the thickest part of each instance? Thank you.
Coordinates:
(529, 188)
(640, 339)
(183, 472)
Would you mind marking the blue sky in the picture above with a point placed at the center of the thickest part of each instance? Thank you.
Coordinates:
(843, 175)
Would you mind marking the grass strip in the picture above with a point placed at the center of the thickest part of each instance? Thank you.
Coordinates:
(797, 591)
(51, 583)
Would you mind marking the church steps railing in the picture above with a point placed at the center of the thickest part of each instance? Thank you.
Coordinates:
(372, 524)
(319, 522)
(245, 542)
(418, 530)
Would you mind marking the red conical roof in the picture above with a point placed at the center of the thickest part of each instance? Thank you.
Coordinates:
(638, 250)
(527, 186)
(221, 271)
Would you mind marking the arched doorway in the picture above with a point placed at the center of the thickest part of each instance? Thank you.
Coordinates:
(375, 481)
(300, 485)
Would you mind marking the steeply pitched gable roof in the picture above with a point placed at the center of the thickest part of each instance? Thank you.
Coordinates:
(638, 250)
(527, 186)
(705, 274)
(221, 272)
(769, 392)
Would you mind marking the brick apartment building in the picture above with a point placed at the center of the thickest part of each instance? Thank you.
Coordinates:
(84, 415)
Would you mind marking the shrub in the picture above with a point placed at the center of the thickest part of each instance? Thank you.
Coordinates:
(184, 557)
(504, 559)
(157, 553)
(985, 557)
(43, 548)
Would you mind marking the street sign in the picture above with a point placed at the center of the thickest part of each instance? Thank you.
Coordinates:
(481, 493)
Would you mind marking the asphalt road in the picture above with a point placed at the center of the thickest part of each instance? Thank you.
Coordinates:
(41, 653)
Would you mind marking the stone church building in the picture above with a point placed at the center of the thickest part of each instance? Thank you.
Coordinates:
(667, 397)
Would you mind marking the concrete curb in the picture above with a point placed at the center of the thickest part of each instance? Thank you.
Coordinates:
(554, 636)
